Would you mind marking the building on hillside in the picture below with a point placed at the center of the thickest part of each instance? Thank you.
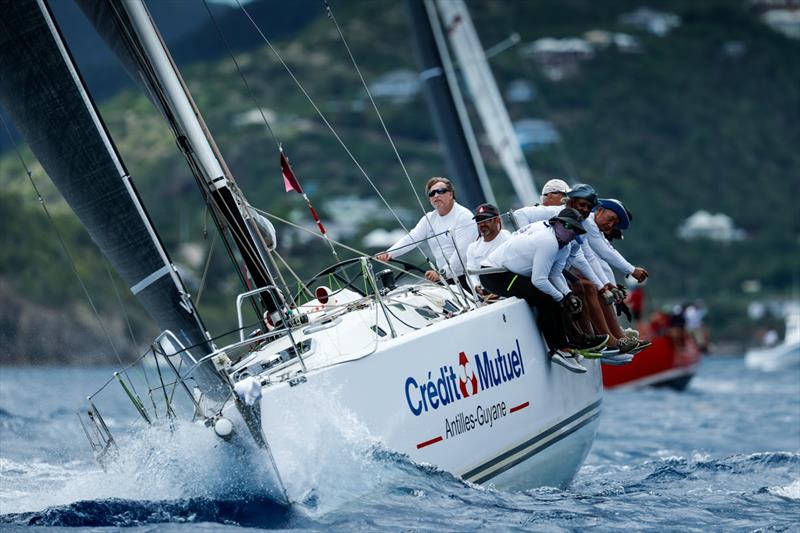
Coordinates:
(658, 23)
(704, 225)
(623, 42)
(399, 86)
(382, 239)
(533, 133)
(520, 90)
(558, 58)
(785, 21)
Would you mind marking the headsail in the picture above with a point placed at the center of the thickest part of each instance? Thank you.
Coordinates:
(42, 91)
(128, 28)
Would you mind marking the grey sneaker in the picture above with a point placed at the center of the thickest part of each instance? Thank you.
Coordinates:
(568, 361)
(627, 344)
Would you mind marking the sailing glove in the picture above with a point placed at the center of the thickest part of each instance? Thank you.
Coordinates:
(572, 304)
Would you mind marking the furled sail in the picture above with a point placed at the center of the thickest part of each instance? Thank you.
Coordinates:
(127, 27)
(488, 101)
(447, 106)
(41, 89)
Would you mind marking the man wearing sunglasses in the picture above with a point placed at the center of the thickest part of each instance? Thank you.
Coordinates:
(447, 222)
(534, 262)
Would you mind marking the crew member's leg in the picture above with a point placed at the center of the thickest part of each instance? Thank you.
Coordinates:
(548, 315)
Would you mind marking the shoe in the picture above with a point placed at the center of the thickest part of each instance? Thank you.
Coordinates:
(568, 361)
(627, 344)
(617, 360)
(591, 343)
(630, 332)
(608, 350)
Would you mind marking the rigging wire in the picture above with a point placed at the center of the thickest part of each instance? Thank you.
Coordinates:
(321, 114)
(241, 75)
(65, 249)
(157, 92)
(391, 141)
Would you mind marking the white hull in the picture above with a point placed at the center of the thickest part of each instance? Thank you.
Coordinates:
(532, 427)
(775, 358)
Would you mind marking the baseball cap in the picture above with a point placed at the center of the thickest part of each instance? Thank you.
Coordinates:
(582, 190)
(485, 212)
(555, 185)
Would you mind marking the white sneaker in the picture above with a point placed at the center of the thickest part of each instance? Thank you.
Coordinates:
(617, 360)
(568, 361)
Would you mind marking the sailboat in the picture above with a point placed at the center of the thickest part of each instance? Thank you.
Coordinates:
(427, 370)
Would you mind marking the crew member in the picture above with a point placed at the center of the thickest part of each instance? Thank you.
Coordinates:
(438, 228)
(553, 193)
(492, 235)
(534, 262)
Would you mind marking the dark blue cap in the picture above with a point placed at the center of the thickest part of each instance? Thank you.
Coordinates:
(622, 213)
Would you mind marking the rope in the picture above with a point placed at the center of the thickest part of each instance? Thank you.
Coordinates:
(64, 248)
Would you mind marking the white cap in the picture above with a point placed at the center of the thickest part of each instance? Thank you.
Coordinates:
(555, 185)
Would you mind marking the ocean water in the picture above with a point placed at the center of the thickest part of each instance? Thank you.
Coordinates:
(723, 455)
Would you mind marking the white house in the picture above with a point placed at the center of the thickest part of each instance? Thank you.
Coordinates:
(658, 23)
(704, 225)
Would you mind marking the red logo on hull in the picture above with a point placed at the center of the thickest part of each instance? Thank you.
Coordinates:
(465, 381)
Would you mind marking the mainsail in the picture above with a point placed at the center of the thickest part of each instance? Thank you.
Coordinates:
(42, 91)
(450, 116)
(488, 101)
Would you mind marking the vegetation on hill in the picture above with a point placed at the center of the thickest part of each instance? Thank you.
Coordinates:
(678, 127)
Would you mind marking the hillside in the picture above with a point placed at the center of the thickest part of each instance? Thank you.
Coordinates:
(676, 127)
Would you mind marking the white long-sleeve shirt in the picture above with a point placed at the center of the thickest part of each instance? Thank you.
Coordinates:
(535, 254)
(478, 251)
(458, 222)
(603, 248)
(586, 263)
(535, 213)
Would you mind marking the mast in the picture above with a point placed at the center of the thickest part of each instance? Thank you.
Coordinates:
(43, 92)
(130, 31)
(488, 101)
(444, 98)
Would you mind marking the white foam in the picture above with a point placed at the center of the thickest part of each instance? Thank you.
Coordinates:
(791, 491)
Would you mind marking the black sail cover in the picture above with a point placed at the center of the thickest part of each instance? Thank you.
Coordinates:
(43, 93)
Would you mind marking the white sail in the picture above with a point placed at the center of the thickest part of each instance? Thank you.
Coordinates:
(488, 101)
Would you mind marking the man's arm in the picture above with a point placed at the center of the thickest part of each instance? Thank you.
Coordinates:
(578, 260)
(409, 241)
(543, 260)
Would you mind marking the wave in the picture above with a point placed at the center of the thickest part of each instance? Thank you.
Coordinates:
(253, 512)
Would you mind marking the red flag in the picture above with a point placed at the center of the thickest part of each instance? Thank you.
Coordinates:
(289, 180)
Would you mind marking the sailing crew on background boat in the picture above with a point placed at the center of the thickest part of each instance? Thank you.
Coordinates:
(438, 228)
(534, 261)
(492, 235)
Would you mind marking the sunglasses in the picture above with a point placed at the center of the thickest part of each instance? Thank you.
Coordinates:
(568, 226)
(434, 192)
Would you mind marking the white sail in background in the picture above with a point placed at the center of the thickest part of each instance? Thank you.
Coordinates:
(488, 102)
